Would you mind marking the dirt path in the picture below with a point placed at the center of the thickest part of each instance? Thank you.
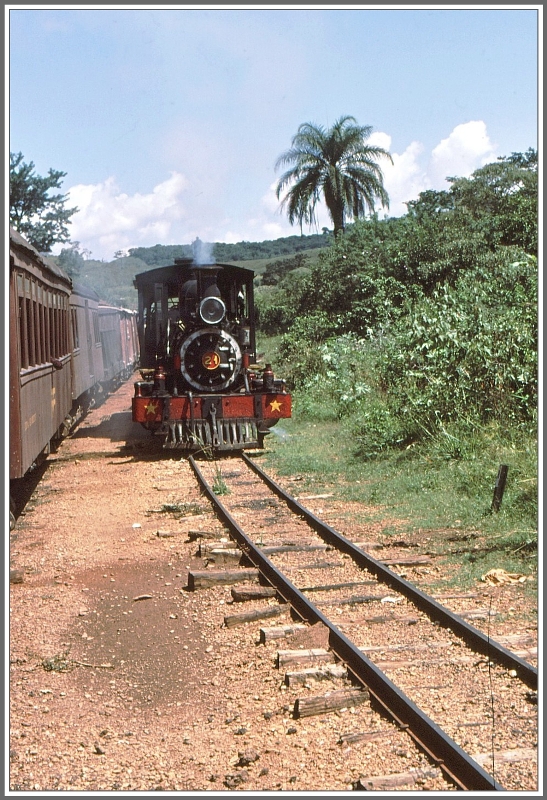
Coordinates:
(121, 679)
(87, 548)
(112, 692)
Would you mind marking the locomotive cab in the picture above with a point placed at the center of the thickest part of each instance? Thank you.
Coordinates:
(197, 337)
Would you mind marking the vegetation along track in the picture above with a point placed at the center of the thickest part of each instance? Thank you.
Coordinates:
(417, 662)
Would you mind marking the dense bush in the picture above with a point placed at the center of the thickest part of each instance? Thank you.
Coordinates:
(469, 350)
(300, 351)
(445, 365)
(441, 305)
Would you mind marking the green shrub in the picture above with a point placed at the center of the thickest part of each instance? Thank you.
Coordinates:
(300, 348)
(377, 429)
(469, 351)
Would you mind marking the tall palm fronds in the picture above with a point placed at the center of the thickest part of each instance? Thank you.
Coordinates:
(337, 164)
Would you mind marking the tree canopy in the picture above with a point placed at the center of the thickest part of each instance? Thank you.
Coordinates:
(337, 165)
(423, 325)
(40, 217)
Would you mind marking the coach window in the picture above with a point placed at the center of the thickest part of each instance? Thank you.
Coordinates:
(96, 332)
(47, 346)
(75, 335)
(56, 326)
(37, 332)
(52, 348)
(66, 338)
(62, 327)
(32, 327)
(40, 349)
(52, 326)
(61, 322)
(22, 316)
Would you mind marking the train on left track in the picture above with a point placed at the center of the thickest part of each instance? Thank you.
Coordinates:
(66, 350)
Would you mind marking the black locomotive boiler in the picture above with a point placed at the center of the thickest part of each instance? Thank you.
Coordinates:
(201, 387)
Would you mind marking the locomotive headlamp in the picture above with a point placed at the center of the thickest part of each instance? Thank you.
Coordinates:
(212, 310)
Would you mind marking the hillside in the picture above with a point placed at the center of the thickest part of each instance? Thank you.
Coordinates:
(113, 280)
(161, 255)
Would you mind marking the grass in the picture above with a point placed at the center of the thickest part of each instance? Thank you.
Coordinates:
(267, 349)
(259, 264)
(424, 490)
(219, 485)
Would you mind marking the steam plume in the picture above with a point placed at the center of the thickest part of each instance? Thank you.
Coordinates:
(202, 252)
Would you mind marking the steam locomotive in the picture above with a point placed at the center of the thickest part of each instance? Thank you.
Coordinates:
(201, 386)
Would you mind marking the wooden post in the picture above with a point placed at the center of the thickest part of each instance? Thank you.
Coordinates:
(499, 487)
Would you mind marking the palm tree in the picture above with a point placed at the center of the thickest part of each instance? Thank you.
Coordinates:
(336, 163)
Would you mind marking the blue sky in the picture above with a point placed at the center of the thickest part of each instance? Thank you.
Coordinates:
(168, 121)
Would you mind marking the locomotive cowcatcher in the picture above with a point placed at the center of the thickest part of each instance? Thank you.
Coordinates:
(201, 387)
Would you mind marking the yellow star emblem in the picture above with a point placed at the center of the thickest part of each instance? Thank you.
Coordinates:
(151, 408)
(275, 405)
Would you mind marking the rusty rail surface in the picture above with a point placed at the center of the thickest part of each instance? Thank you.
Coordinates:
(457, 765)
(448, 619)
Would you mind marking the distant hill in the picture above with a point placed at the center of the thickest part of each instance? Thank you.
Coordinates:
(113, 280)
(161, 255)
(261, 265)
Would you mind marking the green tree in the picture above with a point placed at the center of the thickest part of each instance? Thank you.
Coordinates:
(71, 259)
(500, 200)
(40, 217)
(336, 164)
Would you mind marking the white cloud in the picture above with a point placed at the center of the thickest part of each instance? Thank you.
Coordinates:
(269, 201)
(272, 207)
(380, 139)
(404, 179)
(107, 217)
(174, 213)
(463, 151)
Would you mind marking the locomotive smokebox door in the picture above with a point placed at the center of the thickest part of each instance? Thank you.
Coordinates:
(210, 360)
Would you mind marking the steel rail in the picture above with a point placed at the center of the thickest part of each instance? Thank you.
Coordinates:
(475, 638)
(455, 763)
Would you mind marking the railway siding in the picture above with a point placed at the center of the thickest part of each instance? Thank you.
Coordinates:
(455, 678)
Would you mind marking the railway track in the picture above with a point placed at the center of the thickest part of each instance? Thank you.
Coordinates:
(413, 659)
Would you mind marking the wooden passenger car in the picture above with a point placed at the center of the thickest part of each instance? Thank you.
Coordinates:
(65, 348)
(118, 332)
(87, 355)
(40, 384)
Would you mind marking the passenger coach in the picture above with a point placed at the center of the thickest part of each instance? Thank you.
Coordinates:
(65, 349)
(40, 381)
